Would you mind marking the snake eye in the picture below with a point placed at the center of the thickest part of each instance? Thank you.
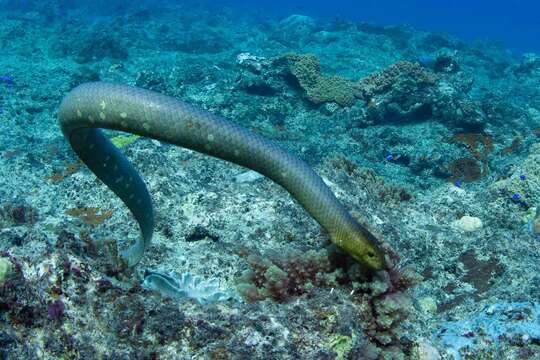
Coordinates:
(371, 254)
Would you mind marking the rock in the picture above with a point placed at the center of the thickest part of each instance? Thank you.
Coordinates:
(251, 62)
(468, 223)
(425, 351)
(248, 176)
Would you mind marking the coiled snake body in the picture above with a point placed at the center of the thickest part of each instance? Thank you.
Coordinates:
(91, 106)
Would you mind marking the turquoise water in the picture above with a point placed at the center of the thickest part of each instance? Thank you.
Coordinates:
(422, 119)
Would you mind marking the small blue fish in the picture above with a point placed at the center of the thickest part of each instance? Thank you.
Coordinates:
(8, 80)
(389, 157)
(522, 177)
(516, 197)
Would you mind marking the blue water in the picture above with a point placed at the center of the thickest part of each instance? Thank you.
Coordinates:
(515, 23)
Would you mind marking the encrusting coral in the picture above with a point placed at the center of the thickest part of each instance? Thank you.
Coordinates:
(319, 88)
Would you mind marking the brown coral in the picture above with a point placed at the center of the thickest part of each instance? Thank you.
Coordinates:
(306, 69)
(479, 145)
(385, 79)
(465, 169)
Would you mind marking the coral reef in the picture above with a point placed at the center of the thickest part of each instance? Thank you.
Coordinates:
(94, 45)
(381, 302)
(306, 70)
(294, 30)
(293, 274)
(421, 135)
(513, 327)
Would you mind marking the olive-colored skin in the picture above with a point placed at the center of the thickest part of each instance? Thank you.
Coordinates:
(91, 106)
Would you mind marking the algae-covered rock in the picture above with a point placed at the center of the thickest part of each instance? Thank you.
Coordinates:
(5, 268)
(333, 88)
(306, 69)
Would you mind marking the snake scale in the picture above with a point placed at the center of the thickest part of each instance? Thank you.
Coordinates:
(92, 106)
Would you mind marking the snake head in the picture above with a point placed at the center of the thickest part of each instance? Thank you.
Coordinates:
(362, 245)
(367, 250)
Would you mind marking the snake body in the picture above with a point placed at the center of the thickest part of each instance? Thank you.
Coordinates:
(96, 105)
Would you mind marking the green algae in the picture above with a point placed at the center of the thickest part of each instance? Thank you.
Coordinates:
(5, 269)
(341, 345)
